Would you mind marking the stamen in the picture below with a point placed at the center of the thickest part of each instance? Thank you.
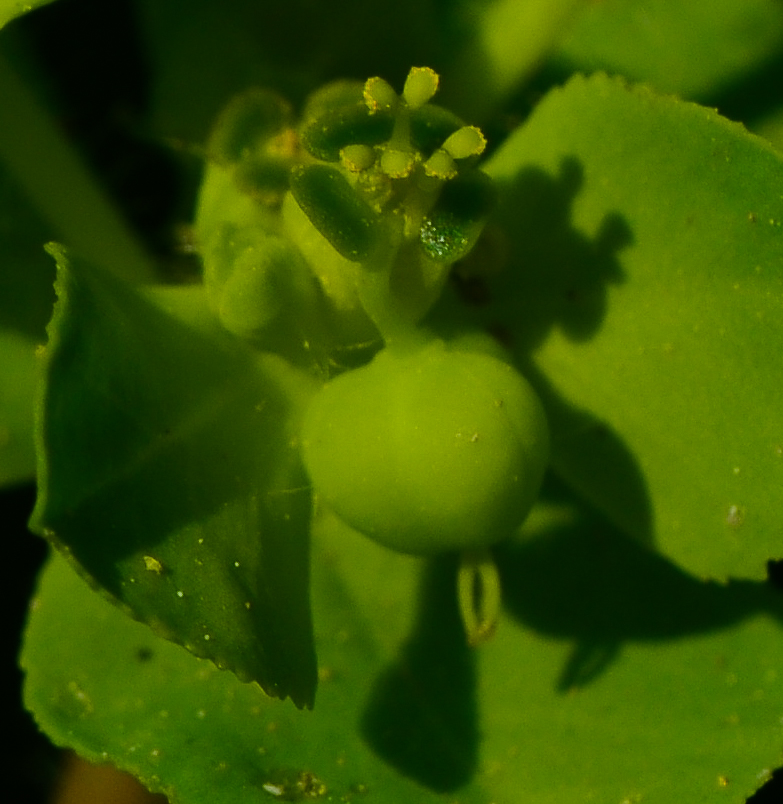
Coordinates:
(357, 157)
(397, 164)
(379, 95)
(441, 165)
(466, 141)
(420, 85)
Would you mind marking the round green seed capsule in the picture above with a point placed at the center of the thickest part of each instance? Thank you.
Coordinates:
(428, 451)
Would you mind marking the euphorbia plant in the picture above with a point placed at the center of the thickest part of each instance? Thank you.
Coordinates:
(320, 466)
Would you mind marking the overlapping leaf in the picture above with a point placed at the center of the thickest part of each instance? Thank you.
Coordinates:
(645, 279)
(26, 298)
(681, 46)
(168, 472)
(613, 676)
(641, 295)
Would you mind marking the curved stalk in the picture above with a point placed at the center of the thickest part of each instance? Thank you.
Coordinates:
(478, 594)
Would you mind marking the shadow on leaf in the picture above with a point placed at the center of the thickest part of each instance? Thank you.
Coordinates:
(591, 457)
(421, 716)
(549, 272)
(543, 273)
(581, 580)
(167, 473)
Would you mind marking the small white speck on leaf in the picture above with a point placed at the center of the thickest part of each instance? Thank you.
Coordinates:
(735, 516)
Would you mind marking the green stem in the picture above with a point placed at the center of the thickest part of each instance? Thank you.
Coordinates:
(40, 159)
(396, 328)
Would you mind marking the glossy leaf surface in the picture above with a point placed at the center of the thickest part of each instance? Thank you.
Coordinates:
(613, 676)
(643, 287)
(167, 472)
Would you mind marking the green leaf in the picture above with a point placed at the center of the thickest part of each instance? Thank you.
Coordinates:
(508, 40)
(26, 299)
(51, 173)
(771, 127)
(26, 271)
(613, 676)
(168, 471)
(17, 388)
(690, 48)
(198, 734)
(9, 9)
(643, 288)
